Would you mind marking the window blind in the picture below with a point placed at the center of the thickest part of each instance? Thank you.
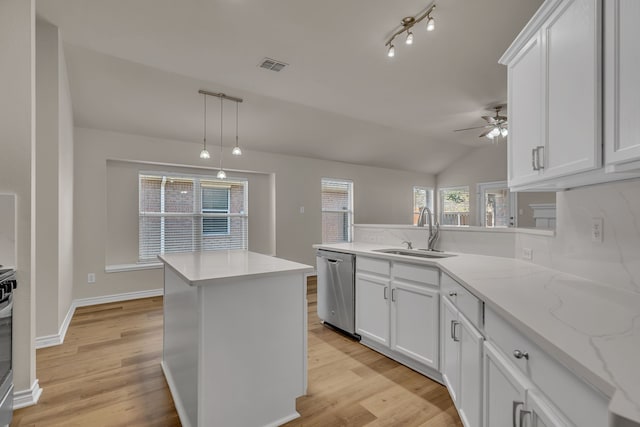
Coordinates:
(337, 210)
(180, 213)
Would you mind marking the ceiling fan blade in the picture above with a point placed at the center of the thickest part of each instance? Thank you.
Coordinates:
(500, 118)
(475, 127)
(489, 119)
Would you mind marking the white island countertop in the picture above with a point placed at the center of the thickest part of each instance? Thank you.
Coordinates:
(210, 267)
(591, 328)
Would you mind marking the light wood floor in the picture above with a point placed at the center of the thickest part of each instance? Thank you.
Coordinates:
(107, 373)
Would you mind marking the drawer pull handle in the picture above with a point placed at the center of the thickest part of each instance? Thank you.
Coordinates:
(453, 294)
(520, 354)
(523, 413)
(385, 293)
(515, 410)
(454, 335)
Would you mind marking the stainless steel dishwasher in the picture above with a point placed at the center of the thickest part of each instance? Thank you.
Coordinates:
(336, 290)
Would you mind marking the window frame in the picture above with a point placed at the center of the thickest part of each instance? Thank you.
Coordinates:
(464, 188)
(349, 212)
(430, 195)
(200, 241)
(226, 212)
(481, 216)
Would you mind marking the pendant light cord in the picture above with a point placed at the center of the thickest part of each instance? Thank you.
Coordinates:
(221, 107)
(237, 124)
(204, 133)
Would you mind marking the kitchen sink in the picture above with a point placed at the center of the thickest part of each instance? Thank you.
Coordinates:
(419, 253)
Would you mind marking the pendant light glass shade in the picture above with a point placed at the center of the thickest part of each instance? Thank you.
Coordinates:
(221, 174)
(236, 151)
(204, 154)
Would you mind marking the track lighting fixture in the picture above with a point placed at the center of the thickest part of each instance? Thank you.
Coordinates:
(204, 154)
(406, 25)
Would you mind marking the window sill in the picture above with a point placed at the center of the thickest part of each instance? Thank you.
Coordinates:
(119, 268)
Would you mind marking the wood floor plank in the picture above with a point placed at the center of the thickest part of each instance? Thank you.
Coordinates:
(107, 373)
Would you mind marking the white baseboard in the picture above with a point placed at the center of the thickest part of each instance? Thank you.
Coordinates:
(23, 398)
(84, 302)
(182, 412)
(57, 339)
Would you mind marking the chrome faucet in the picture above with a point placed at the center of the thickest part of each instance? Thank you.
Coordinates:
(434, 231)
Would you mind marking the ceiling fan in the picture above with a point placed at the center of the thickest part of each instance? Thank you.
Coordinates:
(496, 125)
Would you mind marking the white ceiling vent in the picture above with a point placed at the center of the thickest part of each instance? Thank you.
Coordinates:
(272, 64)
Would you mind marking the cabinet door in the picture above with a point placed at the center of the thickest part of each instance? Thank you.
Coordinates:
(542, 413)
(414, 322)
(450, 349)
(571, 39)
(504, 389)
(470, 403)
(372, 308)
(622, 81)
(526, 94)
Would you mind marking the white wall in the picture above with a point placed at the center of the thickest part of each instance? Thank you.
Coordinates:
(380, 196)
(17, 138)
(54, 182)
(615, 261)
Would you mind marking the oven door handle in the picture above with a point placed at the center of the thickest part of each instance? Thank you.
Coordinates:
(6, 310)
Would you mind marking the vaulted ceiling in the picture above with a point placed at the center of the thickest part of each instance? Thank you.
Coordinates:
(135, 66)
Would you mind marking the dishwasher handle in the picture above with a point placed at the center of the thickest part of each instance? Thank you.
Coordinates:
(331, 260)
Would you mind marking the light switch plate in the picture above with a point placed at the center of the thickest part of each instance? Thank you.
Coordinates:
(527, 253)
(597, 225)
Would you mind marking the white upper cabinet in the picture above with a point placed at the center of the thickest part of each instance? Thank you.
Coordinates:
(555, 94)
(622, 85)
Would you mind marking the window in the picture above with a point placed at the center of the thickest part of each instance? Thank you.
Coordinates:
(180, 213)
(496, 205)
(422, 197)
(454, 206)
(337, 210)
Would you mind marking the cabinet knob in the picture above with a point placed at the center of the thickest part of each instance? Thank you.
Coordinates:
(453, 294)
(520, 354)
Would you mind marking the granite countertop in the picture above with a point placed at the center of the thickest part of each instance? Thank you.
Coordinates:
(591, 328)
(210, 267)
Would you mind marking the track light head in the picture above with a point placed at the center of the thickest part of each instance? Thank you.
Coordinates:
(409, 39)
(431, 24)
(391, 52)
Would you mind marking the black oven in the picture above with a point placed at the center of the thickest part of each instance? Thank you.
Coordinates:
(7, 285)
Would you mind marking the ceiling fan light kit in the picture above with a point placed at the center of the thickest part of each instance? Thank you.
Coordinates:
(407, 24)
(496, 127)
(204, 154)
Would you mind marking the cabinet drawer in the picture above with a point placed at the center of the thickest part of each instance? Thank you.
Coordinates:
(373, 265)
(577, 400)
(416, 273)
(465, 301)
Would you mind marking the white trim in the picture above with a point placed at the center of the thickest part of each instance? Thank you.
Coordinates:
(312, 273)
(118, 268)
(182, 412)
(465, 228)
(83, 302)
(57, 339)
(24, 398)
(284, 420)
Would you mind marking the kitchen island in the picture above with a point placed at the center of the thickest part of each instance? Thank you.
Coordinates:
(235, 325)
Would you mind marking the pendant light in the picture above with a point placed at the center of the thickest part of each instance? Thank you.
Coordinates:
(204, 154)
(221, 173)
(236, 150)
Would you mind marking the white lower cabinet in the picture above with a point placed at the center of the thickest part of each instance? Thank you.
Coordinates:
(462, 363)
(372, 307)
(511, 399)
(397, 311)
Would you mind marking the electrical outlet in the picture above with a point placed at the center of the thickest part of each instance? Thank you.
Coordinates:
(91, 278)
(301, 209)
(527, 253)
(596, 230)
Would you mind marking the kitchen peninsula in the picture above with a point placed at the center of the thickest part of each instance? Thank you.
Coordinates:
(235, 325)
